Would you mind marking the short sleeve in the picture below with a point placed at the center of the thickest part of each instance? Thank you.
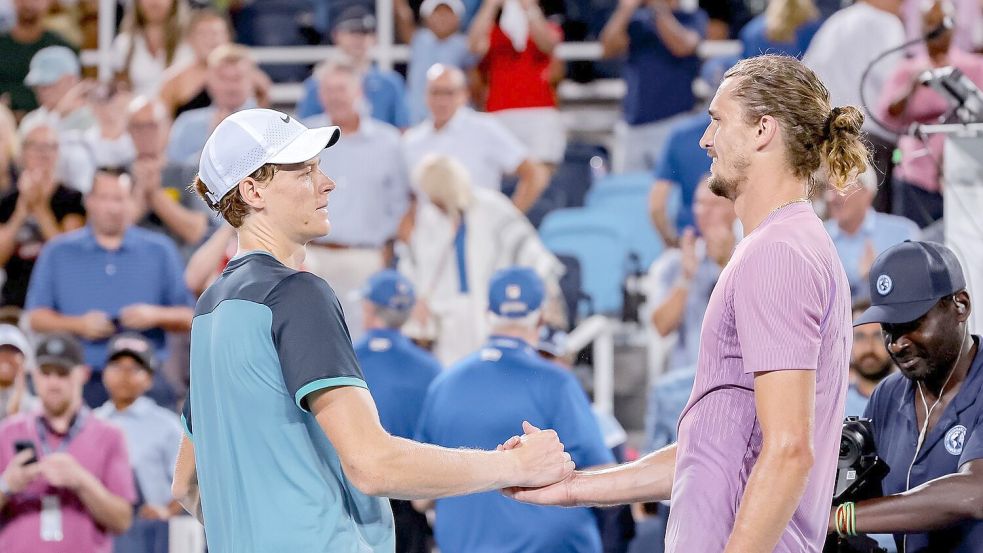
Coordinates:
(577, 427)
(778, 307)
(118, 475)
(311, 338)
(41, 289)
(973, 444)
(186, 416)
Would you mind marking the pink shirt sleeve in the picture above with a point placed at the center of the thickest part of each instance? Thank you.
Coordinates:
(778, 307)
(118, 475)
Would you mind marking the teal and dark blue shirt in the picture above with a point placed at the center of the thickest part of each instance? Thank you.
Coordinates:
(264, 337)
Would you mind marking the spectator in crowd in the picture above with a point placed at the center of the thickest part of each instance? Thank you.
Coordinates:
(786, 27)
(230, 86)
(354, 35)
(16, 359)
(841, 52)
(926, 417)
(9, 149)
(860, 234)
(75, 483)
(39, 209)
(163, 201)
(210, 259)
(869, 363)
(17, 47)
(103, 144)
(462, 234)
(660, 40)
(680, 281)
(110, 276)
(149, 42)
(152, 434)
(917, 184)
(372, 191)
(726, 18)
(55, 77)
(398, 373)
(480, 143)
(184, 86)
(473, 405)
(515, 43)
(967, 22)
(438, 40)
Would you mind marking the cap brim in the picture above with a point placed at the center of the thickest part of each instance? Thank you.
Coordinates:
(34, 78)
(897, 313)
(132, 355)
(56, 361)
(307, 146)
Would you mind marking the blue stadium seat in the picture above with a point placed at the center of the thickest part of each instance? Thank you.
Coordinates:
(619, 184)
(599, 245)
(570, 182)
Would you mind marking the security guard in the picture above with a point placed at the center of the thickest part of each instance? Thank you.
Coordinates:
(928, 418)
(398, 374)
(477, 403)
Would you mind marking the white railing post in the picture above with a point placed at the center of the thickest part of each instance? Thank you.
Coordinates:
(385, 38)
(604, 371)
(106, 27)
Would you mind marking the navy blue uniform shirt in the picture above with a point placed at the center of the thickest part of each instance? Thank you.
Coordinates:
(956, 439)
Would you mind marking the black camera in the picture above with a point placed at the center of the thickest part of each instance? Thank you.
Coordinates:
(859, 472)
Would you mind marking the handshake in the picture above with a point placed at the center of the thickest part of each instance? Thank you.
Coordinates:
(544, 471)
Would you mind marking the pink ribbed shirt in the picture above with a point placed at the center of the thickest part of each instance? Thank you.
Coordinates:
(782, 303)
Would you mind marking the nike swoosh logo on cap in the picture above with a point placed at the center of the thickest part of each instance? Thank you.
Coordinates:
(285, 119)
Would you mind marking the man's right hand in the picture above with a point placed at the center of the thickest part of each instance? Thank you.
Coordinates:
(18, 474)
(540, 459)
(95, 325)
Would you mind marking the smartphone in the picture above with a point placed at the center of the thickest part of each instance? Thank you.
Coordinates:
(21, 445)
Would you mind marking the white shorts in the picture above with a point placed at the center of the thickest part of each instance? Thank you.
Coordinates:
(539, 129)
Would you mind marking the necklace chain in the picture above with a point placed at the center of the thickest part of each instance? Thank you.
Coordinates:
(786, 204)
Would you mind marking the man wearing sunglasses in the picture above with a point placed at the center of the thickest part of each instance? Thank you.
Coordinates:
(66, 482)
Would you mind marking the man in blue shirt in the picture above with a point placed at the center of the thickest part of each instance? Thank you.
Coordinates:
(860, 233)
(398, 373)
(928, 418)
(385, 90)
(661, 41)
(152, 436)
(471, 404)
(108, 277)
(281, 431)
(869, 363)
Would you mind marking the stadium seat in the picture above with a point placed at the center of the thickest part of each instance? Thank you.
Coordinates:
(570, 182)
(599, 245)
(571, 285)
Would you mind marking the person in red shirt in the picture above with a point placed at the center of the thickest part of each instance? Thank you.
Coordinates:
(515, 42)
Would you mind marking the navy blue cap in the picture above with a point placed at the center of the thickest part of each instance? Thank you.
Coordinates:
(356, 19)
(391, 290)
(515, 292)
(908, 279)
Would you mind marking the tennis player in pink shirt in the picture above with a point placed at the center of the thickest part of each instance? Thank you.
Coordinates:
(754, 466)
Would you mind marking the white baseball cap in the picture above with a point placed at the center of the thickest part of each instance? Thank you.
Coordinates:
(11, 336)
(246, 140)
(428, 6)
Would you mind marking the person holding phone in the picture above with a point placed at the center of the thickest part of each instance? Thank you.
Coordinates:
(65, 484)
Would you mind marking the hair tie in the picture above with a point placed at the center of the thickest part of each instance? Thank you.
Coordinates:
(833, 114)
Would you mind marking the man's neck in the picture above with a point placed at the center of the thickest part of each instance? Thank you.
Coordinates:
(933, 387)
(349, 124)
(123, 404)
(109, 242)
(764, 194)
(258, 237)
(27, 32)
(60, 423)
(527, 335)
(851, 226)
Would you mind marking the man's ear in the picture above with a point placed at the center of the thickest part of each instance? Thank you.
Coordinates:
(252, 192)
(765, 132)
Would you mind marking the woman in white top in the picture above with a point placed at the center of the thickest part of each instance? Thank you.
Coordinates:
(149, 43)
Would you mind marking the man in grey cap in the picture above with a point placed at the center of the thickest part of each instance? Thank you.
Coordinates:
(15, 360)
(56, 79)
(280, 429)
(927, 418)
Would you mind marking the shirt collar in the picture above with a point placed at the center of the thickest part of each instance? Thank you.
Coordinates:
(456, 120)
(138, 408)
(969, 390)
(866, 227)
(498, 341)
(388, 333)
(89, 239)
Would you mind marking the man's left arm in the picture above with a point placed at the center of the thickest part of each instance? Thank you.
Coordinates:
(785, 403)
(934, 505)
(176, 311)
(779, 299)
